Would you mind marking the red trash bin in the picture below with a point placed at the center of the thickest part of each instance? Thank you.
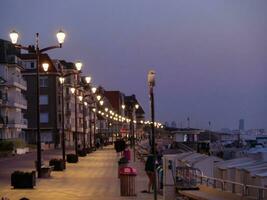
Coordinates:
(127, 179)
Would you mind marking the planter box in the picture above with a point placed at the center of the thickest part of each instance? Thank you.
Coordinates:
(58, 164)
(20, 151)
(46, 171)
(82, 153)
(89, 150)
(93, 148)
(72, 158)
(21, 179)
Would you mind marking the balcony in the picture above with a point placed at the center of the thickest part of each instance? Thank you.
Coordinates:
(17, 82)
(68, 112)
(14, 60)
(17, 123)
(67, 97)
(68, 126)
(18, 102)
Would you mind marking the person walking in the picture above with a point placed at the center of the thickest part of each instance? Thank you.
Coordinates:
(149, 168)
(97, 141)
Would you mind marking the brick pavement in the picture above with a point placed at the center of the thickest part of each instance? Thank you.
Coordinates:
(94, 177)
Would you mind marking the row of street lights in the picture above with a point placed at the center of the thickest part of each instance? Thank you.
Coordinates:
(97, 98)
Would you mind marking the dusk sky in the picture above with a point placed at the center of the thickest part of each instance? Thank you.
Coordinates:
(210, 57)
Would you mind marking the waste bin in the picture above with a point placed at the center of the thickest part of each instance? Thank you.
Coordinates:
(127, 179)
(123, 162)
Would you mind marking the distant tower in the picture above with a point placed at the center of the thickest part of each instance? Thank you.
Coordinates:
(166, 124)
(241, 124)
(173, 124)
(188, 122)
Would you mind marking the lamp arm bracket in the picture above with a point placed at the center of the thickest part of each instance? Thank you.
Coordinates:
(19, 46)
(49, 48)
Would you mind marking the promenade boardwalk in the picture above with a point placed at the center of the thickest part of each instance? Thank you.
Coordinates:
(94, 177)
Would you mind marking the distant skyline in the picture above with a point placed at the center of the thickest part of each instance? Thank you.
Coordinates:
(210, 57)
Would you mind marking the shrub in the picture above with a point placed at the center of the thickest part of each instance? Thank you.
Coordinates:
(6, 145)
(82, 152)
(72, 158)
(21, 179)
(58, 164)
(19, 143)
(11, 144)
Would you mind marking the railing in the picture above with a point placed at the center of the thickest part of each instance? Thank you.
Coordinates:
(11, 80)
(233, 186)
(18, 121)
(19, 100)
(252, 191)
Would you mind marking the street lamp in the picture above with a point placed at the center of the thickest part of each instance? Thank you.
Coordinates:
(88, 79)
(94, 90)
(45, 66)
(151, 85)
(62, 80)
(14, 39)
(98, 97)
(78, 66)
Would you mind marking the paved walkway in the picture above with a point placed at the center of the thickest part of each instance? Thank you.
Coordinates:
(94, 177)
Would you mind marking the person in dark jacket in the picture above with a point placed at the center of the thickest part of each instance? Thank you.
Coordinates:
(149, 168)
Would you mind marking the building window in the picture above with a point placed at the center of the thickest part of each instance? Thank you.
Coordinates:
(59, 118)
(32, 65)
(44, 117)
(59, 100)
(43, 81)
(43, 99)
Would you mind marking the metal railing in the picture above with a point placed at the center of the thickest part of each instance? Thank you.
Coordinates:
(232, 186)
(245, 190)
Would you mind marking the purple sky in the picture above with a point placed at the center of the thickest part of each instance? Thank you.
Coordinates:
(210, 57)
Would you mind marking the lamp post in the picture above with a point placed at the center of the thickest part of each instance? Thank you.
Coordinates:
(151, 84)
(136, 106)
(93, 89)
(85, 104)
(74, 90)
(78, 66)
(131, 108)
(62, 80)
(14, 38)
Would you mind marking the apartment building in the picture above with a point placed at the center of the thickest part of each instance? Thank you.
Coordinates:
(116, 99)
(68, 70)
(12, 86)
(47, 100)
(104, 124)
(136, 114)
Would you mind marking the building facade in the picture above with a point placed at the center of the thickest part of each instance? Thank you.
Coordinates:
(12, 86)
(48, 100)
